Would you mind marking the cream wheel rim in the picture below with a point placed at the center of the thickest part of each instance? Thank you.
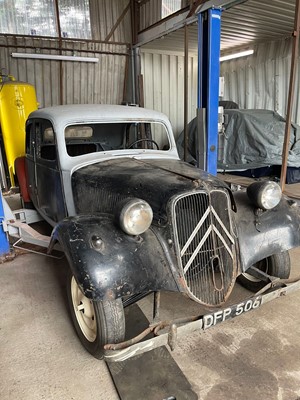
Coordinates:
(84, 312)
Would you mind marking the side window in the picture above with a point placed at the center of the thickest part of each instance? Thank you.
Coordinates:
(46, 146)
(30, 138)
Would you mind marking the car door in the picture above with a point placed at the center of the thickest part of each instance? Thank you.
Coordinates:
(48, 181)
(30, 161)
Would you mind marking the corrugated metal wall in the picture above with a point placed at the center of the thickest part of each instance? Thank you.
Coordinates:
(150, 13)
(262, 80)
(164, 85)
(101, 82)
(104, 15)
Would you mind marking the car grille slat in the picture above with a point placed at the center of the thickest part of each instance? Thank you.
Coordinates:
(205, 245)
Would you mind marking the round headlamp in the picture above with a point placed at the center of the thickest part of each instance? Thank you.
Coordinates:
(136, 217)
(265, 195)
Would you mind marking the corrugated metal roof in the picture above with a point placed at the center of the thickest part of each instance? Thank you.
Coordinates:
(257, 21)
(253, 21)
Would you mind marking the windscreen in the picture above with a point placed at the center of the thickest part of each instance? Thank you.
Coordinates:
(99, 137)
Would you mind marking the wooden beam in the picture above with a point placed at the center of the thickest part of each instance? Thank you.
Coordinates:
(117, 22)
(141, 90)
(125, 80)
(55, 39)
(134, 21)
(61, 71)
(194, 7)
(287, 134)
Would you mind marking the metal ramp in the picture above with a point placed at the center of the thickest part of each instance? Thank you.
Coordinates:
(18, 225)
(149, 376)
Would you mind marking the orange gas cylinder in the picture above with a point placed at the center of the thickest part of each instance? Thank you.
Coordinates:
(17, 101)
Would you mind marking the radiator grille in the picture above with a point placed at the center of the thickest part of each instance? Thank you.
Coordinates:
(205, 245)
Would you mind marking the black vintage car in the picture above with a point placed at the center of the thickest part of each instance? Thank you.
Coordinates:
(133, 219)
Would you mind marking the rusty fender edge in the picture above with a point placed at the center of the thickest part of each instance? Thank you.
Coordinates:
(268, 232)
(123, 351)
(119, 265)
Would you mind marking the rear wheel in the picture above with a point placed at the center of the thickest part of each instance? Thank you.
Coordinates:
(96, 322)
(278, 265)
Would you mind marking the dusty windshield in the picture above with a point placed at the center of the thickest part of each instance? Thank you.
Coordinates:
(100, 137)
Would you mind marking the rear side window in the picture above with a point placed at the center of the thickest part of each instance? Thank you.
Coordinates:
(46, 143)
(30, 138)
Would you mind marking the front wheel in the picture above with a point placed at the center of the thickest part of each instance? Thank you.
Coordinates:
(96, 322)
(278, 265)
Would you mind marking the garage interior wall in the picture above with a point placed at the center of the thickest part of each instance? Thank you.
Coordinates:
(164, 85)
(101, 82)
(151, 11)
(262, 80)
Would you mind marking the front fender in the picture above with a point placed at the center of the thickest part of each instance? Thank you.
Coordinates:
(125, 265)
(263, 233)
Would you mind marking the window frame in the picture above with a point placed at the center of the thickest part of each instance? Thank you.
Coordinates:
(41, 125)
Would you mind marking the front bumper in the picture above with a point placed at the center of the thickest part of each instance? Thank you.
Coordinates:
(175, 329)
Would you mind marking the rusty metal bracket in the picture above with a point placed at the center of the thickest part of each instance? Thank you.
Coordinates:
(181, 327)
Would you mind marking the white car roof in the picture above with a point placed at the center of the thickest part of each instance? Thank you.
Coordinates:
(96, 112)
(61, 116)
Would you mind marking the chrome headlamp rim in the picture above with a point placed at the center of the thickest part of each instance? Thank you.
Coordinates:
(135, 217)
(265, 195)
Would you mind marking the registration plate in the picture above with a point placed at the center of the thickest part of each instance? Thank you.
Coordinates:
(215, 318)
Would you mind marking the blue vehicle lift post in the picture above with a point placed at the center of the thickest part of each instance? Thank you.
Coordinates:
(4, 243)
(209, 37)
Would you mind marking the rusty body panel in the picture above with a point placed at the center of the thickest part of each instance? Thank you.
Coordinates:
(129, 265)
(268, 232)
(101, 186)
(124, 265)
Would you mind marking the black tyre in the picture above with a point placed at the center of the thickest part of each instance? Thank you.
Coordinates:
(278, 265)
(96, 322)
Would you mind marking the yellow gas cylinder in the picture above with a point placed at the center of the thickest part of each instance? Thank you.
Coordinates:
(17, 101)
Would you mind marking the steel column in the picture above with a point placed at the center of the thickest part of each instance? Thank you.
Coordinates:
(287, 134)
(209, 37)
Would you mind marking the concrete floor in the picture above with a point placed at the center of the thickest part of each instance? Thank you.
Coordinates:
(255, 356)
